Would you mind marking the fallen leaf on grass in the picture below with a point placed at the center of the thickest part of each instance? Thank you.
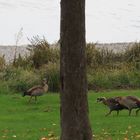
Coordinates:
(43, 129)
(53, 124)
(137, 136)
(14, 136)
(129, 127)
(48, 109)
(125, 138)
(54, 138)
(5, 131)
(51, 135)
(44, 138)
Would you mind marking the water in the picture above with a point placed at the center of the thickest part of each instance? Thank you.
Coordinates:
(106, 20)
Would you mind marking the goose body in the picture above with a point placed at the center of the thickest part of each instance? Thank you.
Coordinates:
(37, 90)
(112, 104)
(131, 102)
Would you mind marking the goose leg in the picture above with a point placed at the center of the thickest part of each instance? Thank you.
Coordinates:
(117, 112)
(30, 99)
(35, 98)
(137, 111)
(108, 113)
(130, 111)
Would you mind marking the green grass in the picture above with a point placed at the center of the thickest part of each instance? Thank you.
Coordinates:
(28, 121)
(113, 127)
(21, 120)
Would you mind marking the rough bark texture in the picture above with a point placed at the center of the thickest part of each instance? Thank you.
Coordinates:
(74, 106)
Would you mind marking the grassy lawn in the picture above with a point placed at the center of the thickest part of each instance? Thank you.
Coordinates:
(21, 120)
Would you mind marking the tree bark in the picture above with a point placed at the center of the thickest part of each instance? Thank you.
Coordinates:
(74, 105)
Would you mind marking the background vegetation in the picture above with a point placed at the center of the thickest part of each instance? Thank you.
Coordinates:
(106, 68)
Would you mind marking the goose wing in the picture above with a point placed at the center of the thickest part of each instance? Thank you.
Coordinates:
(34, 88)
(128, 102)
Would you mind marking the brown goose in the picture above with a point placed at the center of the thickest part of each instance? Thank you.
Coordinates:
(37, 90)
(112, 104)
(131, 102)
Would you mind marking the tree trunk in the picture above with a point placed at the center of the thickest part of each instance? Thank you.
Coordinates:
(74, 105)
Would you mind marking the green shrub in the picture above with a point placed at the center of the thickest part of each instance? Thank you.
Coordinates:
(23, 62)
(52, 73)
(99, 80)
(41, 53)
(4, 88)
(2, 63)
(134, 78)
(107, 79)
(106, 69)
(132, 54)
(19, 79)
(92, 56)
